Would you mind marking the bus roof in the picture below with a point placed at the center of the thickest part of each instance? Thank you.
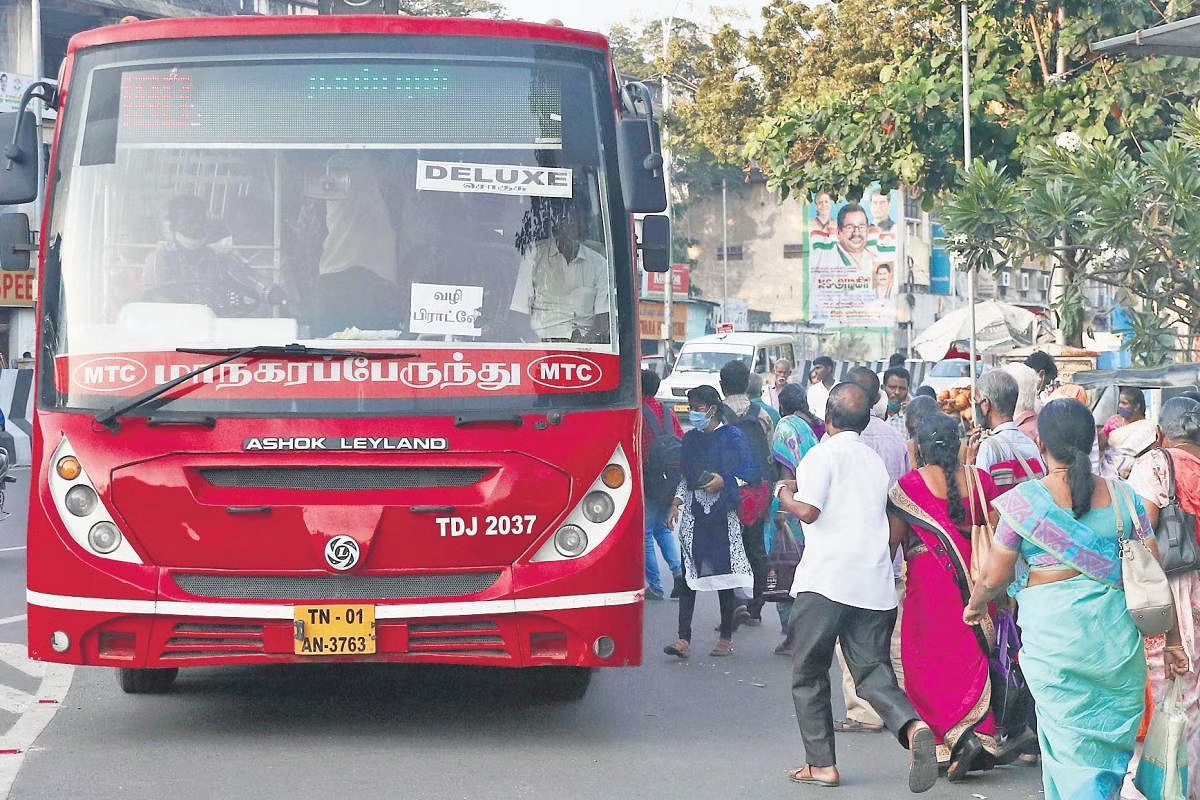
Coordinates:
(351, 24)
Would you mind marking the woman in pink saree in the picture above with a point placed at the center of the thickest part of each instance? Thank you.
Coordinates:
(945, 661)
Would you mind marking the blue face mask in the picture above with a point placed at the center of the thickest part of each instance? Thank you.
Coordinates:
(699, 419)
(1125, 413)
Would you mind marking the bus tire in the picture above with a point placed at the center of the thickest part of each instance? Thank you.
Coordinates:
(565, 684)
(146, 681)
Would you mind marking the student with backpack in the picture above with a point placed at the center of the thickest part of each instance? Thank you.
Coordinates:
(756, 425)
(661, 472)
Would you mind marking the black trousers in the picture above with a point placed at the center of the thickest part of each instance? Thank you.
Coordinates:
(817, 624)
(756, 554)
(687, 609)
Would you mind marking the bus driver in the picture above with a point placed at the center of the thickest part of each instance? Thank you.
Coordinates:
(186, 269)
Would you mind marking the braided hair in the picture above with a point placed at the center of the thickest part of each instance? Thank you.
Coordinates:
(937, 443)
(1067, 431)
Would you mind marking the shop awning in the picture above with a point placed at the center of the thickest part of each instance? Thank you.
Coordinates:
(1180, 38)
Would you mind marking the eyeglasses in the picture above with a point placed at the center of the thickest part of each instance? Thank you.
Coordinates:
(858, 228)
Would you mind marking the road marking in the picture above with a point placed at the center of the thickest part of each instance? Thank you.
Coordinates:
(10, 620)
(36, 709)
(11, 549)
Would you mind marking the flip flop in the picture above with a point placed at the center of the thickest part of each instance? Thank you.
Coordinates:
(922, 760)
(797, 776)
(724, 647)
(680, 649)
(854, 726)
(963, 759)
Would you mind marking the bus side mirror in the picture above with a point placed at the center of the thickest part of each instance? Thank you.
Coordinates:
(18, 158)
(15, 244)
(643, 182)
(656, 243)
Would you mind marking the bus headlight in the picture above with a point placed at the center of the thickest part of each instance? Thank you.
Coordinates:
(81, 500)
(104, 537)
(570, 541)
(598, 507)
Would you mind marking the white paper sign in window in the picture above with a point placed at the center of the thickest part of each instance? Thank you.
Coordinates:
(456, 176)
(446, 310)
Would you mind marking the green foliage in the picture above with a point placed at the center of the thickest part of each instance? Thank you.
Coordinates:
(1097, 213)
(1032, 78)
(453, 8)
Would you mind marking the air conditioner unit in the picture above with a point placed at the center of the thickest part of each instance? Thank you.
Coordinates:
(1005, 279)
(1024, 281)
(1045, 283)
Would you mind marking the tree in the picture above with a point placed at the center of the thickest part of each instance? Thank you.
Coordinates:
(1032, 78)
(1099, 214)
(453, 8)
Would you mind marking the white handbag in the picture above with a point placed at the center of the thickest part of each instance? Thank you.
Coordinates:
(1147, 593)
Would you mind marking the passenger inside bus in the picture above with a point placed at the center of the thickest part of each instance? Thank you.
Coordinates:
(186, 268)
(562, 284)
(356, 287)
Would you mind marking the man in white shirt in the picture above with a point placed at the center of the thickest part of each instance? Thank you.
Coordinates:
(822, 381)
(563, 286)
(781, 373)
(845, 590)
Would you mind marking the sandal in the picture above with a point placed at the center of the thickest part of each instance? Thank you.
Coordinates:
(724, 648)
(805, 775)
(854, 726)
(680, 649)
(741, 615)
(922, 759)
(784, 648)
(963, 759)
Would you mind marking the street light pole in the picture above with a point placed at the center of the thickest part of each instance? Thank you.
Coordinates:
(724, 255)
(966, 110)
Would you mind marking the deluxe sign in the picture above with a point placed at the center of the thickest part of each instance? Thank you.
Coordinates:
(457, 176)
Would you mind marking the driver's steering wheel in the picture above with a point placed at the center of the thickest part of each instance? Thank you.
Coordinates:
(228, 298)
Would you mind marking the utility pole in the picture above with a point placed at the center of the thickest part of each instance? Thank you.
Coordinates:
(668, 335)
(966, 110)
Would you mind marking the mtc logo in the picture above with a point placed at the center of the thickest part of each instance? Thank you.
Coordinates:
(109, 374)
(564, 371)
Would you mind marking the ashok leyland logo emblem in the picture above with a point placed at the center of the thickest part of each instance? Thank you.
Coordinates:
(342, 553)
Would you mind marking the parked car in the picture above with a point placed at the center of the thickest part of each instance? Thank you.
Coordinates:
(952, 373)
(700, 361)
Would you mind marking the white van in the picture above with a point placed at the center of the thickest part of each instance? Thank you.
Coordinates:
(701, 359)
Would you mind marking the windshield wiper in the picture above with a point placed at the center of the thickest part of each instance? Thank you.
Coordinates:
(108, 417)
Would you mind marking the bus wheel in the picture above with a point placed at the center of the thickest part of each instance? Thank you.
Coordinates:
(147, 681)
(565, 684)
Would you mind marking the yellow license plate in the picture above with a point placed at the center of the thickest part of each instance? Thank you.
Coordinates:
(335, 630)
(682, 408)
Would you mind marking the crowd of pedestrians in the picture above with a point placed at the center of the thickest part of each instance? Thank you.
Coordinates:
(920, 536)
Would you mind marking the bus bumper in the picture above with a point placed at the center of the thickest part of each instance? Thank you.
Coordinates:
(602, 630)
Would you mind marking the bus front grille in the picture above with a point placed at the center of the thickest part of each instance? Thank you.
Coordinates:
(342, 479)
(334, 587)
(471, 638)
(213, 640)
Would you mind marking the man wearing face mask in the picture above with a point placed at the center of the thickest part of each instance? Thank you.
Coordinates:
(186, 269)
(1008, 455)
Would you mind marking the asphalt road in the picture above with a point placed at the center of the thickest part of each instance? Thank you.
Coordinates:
(706, 728)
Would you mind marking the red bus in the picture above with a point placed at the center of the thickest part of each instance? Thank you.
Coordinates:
(338, 354)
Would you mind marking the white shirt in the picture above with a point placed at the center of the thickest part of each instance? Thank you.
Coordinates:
(560, 297)
(847, 555)
(818, 398)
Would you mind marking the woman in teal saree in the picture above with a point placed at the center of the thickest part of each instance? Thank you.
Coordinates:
(1082, 655)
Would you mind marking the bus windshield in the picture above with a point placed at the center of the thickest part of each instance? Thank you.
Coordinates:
(450, 205)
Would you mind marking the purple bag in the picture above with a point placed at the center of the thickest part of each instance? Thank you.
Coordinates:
(1010, 696)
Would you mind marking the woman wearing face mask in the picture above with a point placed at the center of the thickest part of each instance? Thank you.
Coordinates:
(714, 458)
(1126, 435)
